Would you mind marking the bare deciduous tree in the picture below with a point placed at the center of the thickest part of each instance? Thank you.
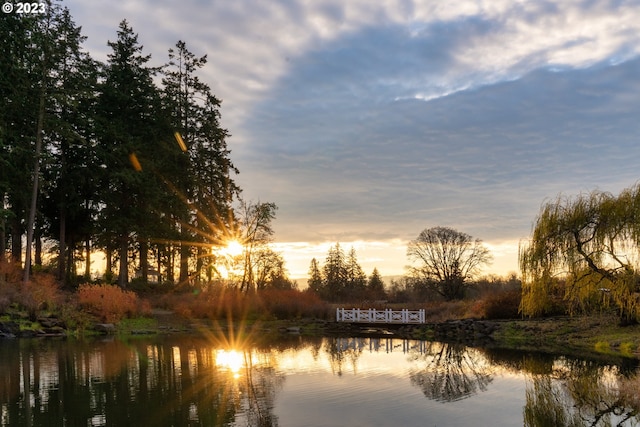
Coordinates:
(446, 259)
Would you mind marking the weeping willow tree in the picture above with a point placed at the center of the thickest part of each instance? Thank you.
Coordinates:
(587, 249)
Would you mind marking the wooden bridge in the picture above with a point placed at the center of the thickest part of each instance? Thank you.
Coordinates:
(387, 316)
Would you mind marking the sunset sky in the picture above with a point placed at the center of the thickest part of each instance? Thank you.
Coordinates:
(368, 121)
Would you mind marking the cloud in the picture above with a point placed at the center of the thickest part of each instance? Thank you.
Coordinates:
(369, 121)
(333, 144)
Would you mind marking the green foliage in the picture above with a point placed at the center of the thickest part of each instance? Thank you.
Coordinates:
(588, 246)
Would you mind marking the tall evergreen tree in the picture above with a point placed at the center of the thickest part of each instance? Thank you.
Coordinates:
(315, 282)
(335, 273)
(132, 130)
(20, 83)
(375, 286)
(69, 204)
(207, 183)
(356, 279)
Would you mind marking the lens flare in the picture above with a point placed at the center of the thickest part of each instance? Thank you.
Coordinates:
(135, 162)
(180, 141)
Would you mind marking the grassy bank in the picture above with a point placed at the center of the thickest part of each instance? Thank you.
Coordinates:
(584, 334)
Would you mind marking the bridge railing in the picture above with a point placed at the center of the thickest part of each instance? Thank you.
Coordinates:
(371, 315)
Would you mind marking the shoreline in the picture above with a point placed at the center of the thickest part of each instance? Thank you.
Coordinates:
(598, 336)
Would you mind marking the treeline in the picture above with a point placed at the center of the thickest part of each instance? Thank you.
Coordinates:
(121, 157)
(341, 278)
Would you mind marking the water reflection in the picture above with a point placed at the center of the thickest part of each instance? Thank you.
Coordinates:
(451, 372)
(191, 381)
(579, 394)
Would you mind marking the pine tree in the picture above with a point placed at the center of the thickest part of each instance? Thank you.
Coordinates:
(133, 133)
(69, 205)
(315, 282)
(21, 71)
(356, 279)
(207, 183)
(375, 286)
(335, 274)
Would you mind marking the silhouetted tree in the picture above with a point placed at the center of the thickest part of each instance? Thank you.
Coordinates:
(446, 259)
(131, 128)
(375, 286)
(315, 277)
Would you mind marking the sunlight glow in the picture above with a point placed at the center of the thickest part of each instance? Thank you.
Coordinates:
(233, 248)
(230, 359)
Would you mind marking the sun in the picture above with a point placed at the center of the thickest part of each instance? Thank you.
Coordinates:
(234, 248)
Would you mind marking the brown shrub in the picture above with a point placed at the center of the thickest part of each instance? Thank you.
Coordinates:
(227, 303)
(214, 304)
(441, 311)
(291, 303)
(10, 271)
(499, 305)
(108, 302)
(40, 293)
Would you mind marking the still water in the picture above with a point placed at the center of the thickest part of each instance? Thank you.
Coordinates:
(297, 381)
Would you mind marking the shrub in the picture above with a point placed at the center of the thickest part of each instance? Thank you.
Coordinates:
(10, 271)
(109, 302)
(40, 293)
(291, 303)
(500, 305)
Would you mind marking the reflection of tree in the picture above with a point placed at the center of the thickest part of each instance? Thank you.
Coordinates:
(169, 382)
(343, 350)
(261, 383)
(546, 405)
(452, 372)
(581, 394)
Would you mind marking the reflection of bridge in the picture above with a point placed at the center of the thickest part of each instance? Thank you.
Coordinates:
(387, 345)
(371, 315)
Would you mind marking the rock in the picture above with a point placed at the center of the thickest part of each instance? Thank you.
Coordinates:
(105, 328)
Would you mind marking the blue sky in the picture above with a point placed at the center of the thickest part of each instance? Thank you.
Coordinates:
(366, 122)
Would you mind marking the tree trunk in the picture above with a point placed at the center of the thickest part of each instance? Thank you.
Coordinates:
(62, 250)
(3, 239)
(184, 263)
(34, 191)
(38, 247)
(171, 273)
(108, 273)
(123, 273)
(87, 257)
(159, 266)
(16, 241)
(144, 260)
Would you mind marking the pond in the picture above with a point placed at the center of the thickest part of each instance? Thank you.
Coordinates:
(199, 380)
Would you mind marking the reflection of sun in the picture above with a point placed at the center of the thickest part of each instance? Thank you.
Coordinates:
(231, 360)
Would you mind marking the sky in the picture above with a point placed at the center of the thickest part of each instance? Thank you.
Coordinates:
(367, 122)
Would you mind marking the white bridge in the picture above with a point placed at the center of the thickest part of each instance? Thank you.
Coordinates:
(371, 315)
